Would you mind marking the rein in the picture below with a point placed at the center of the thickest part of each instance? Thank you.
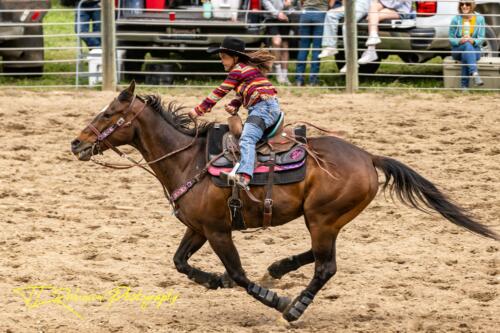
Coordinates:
(102, 138)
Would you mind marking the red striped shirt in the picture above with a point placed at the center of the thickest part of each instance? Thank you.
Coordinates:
(248, 83)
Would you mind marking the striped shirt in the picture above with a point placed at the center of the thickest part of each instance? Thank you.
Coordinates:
(248, 83)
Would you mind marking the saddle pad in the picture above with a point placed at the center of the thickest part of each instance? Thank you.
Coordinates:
(285, 176)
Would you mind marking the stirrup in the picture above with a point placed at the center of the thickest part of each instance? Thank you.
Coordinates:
(237, 180)
(234, 179)
(230, 177)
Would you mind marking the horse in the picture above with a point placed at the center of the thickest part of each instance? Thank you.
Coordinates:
(174, 146)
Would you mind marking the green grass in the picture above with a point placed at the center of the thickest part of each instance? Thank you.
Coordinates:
(64, 55)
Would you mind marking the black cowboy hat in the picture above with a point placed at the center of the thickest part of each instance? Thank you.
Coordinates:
(230, 45)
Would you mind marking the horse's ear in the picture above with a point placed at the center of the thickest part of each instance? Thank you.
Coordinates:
(128, 93)
(131, 88)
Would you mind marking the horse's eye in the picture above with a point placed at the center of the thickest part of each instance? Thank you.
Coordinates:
(106, 115)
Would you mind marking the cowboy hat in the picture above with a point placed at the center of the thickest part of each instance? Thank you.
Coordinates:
(231, 46)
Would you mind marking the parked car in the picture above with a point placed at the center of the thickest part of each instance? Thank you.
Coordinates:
(23, 20)
(426, 36)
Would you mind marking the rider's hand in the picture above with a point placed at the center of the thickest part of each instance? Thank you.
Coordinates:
(230, 109)
(282, 17)
(193, 114)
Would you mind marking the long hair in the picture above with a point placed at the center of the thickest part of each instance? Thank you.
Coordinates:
(262, 59)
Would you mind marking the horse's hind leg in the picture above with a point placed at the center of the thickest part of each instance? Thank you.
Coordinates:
(286, 265)
(323, 248)
(192, 242)
(222, 243)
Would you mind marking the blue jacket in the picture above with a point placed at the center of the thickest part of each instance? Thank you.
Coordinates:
(455, 33)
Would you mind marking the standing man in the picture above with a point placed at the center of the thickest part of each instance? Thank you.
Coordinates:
(311, 32)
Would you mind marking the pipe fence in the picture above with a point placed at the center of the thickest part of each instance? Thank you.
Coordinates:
(167, 47)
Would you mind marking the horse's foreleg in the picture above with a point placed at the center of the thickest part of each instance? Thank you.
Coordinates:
(192, 242)
(284, 266)
(323, 248)
(222, 244)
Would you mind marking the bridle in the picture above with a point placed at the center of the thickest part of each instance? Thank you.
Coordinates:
(102, 137)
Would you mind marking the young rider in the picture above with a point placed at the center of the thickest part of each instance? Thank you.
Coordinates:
(253, 91)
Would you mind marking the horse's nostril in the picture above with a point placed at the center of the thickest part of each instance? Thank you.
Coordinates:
(75, 143)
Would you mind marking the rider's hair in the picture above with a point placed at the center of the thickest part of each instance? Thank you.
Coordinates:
(262, 59)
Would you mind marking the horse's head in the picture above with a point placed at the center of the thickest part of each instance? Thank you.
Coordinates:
(111, 127)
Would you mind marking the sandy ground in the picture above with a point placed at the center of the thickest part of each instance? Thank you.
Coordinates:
(74, 225)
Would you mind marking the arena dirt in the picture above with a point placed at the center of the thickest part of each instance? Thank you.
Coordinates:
(74, 225)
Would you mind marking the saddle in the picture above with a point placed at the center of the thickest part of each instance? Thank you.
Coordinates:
(280, 159)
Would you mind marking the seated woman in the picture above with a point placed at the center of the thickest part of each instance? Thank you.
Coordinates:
(381, 10)
(466, 36)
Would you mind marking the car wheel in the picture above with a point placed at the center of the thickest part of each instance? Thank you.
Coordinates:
(489, 47)
(68, 3)
(133, 60)
(369, 68)
(31, 60)
(23, 71)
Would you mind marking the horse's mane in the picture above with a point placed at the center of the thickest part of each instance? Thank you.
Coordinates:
(172, 113)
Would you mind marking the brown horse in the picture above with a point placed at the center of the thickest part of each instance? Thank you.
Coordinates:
(175, 151)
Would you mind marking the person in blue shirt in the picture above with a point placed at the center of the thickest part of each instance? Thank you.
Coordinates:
(466, 36)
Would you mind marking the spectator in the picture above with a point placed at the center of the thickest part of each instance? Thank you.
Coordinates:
(330, 33)
(275, 13)
(466, 36)
(90, 11)
(381, 10)
(311, 24)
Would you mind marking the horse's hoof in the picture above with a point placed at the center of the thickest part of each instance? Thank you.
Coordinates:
(275, 271)
(226, 281)
(298, 306)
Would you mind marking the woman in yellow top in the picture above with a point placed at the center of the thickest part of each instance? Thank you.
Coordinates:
(466, 36)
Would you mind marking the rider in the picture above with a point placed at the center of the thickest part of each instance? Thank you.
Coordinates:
(253, 90)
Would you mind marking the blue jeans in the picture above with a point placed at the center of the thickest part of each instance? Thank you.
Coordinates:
(332, 22)
(306, 31)
(90, 12)
(269, 111)
(468, 55)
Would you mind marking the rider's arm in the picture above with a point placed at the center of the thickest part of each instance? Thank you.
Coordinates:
(231, 82)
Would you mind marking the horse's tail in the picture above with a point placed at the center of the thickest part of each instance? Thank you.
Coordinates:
(416, 191)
